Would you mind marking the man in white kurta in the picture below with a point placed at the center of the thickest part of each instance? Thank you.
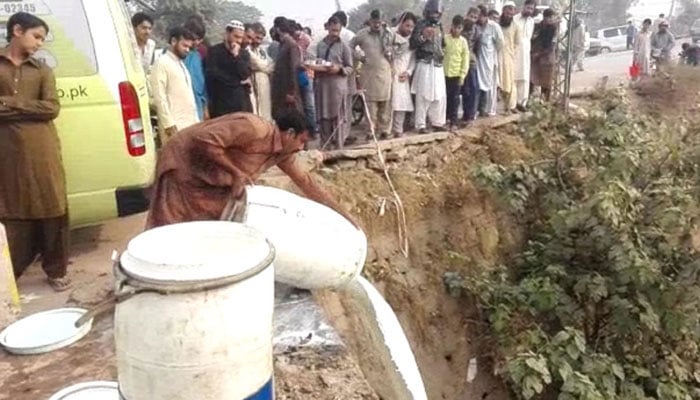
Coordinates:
(262, 67)
(172, 87)
(490, 44)
(526, 23)
(403, 66)
(511, 42)
(642, 49)
(429, 76)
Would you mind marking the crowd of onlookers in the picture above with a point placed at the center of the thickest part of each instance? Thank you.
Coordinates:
(653, 45)
(411, 73)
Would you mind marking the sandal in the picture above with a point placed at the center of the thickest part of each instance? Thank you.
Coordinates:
(60, 284)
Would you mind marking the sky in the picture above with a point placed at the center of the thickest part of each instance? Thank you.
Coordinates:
(311, 13)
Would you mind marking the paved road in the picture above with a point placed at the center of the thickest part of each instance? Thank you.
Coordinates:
(613, 65)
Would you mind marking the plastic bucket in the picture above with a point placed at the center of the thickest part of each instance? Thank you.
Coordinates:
(315, 246)
(195, 320)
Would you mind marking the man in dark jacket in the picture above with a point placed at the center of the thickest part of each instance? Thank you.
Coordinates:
(228, 74)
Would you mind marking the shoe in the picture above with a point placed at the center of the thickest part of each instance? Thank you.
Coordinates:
(453, 128)
(521, 108)
(423, 131)
(350, 141)
(384, 135)
(60, 284)
(438, 129)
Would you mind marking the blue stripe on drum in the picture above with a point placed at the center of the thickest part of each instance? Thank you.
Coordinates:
(267, 392)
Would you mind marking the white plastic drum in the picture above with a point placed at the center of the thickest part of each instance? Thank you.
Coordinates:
(316, 247)
(200, 323)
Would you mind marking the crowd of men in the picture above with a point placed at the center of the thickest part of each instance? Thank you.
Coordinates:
(653, 46)
(488, 61)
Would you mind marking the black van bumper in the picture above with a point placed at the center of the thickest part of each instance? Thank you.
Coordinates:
(132, 201)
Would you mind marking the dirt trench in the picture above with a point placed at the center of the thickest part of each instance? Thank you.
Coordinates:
(452, 227)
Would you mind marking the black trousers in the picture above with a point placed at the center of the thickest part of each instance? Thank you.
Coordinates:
(454, 89)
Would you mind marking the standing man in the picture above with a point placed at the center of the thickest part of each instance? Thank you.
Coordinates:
(375, 41)
(511, 41)
(579, 44)
(346, 35)
(332, 86)
(526, 24)
(642, 49)
(262, 67)
(207, 165)
(195, 64)
(544, 53)
(172, 86)
(662, 44)
(285, 79)
(456, 68)
(145, 46)
(33, 204)
(631, 34)
(490, 45)
(404, 64)
(470, 90)
(228, 73)
(429, 77)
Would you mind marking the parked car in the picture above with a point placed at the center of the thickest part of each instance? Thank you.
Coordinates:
(106, 138)
(611, 39)
(695, 31)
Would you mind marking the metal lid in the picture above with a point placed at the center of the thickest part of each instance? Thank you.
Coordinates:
(98, 390)
(196, 252)
(44, 332)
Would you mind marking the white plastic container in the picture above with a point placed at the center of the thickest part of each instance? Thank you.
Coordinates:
(316, 247)
(199, 323)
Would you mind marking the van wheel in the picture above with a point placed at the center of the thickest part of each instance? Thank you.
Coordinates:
(605, 50)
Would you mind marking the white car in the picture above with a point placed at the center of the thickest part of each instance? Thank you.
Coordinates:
(611, 39)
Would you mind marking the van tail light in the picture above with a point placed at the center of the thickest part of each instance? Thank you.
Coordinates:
(131, 116)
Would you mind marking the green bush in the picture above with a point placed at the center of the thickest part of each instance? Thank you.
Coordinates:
(603, 301)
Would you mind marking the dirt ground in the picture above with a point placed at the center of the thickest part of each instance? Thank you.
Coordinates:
(451, 225)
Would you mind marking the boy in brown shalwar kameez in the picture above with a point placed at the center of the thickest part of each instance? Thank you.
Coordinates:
(207, 164)
(33, 204)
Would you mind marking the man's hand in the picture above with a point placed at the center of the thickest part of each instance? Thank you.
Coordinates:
(403, 77)
(461, 82)
(235, 49)
(334, 69)
(171, 131)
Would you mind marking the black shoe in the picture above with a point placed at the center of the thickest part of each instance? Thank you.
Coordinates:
(423, 131)
(439, 129)
(521, 108)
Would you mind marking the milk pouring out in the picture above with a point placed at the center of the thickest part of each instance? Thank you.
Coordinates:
(201, 323)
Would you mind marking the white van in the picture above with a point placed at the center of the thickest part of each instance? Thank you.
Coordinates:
(104, 126)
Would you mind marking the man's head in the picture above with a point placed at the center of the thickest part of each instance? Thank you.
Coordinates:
(529, 8)
(27, 32)
(663, 26)
(433, 11)
(181, 41)
(195, 24)
(549, 16)
(662, 15)
(508, 13)
(342, 17)
(457, 25)
(308, 31)
(685, 46)
(248, 35)
(293, 129)
(143, 25)
(483, 15)
(375, 21)
(647, 24)
(334, 26)
(235, 32)
(494, 15)
(407, 24)
(257, 34)
(471, 18)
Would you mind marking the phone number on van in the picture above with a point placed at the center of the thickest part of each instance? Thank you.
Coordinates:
(11, 8)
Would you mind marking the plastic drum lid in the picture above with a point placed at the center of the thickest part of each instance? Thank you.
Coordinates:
(98, 390)
(195, 252)
(44, 332)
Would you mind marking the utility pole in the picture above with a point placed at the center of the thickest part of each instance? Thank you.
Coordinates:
(673, 9)
(562, 86)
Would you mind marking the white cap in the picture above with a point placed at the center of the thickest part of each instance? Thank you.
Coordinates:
(235, 24)
(509, 3)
